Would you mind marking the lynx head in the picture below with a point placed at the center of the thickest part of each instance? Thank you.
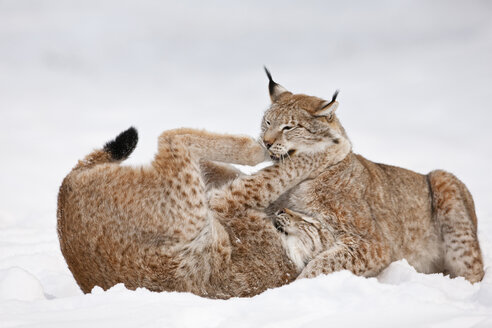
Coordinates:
(300, 123)
(302, 236)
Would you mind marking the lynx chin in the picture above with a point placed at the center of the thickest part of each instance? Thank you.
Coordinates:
(376, 213)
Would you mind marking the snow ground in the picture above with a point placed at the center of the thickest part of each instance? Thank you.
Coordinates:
(415, 80)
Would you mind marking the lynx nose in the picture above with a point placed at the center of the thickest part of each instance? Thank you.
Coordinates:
(268, 142)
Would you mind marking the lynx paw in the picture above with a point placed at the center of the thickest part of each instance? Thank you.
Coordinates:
(281, 221)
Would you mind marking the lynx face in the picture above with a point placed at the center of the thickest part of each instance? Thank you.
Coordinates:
(303, 236)
(299, 123)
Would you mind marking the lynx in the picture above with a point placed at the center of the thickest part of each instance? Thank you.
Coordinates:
(378, 213)
(184, 222)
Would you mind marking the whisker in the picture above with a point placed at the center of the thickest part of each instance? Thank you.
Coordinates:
(262, 143)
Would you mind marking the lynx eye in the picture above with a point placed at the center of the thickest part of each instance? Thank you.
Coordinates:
(267, 122)
(287, 128)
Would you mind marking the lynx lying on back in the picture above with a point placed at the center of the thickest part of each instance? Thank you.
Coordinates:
(378, 213)
(182, 223)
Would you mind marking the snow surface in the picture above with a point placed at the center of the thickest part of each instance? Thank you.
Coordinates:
(415, 80)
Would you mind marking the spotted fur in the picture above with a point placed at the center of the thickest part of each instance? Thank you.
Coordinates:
(182, 223)
(379, 213)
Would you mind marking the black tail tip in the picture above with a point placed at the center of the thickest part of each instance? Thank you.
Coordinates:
(123, 145)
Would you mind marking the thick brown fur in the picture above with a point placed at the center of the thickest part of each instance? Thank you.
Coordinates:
(379, 213)
(183, 223)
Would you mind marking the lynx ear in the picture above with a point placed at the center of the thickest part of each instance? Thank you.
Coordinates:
(274, 88)
(328, 108)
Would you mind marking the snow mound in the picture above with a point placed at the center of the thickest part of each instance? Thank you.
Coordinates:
(405, 299)
(18, 284)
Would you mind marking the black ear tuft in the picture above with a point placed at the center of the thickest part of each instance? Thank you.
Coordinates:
(123, 145)
(275, 89)
(333, 99)
(335, 95)
(271, 84)
(268, 74)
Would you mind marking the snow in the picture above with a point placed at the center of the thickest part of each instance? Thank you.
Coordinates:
(340, 299)
(18, 284)
(415, 80)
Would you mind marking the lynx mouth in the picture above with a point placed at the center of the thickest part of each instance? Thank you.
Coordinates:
(276, 157)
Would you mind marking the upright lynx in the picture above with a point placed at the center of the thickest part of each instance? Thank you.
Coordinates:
(376, 213)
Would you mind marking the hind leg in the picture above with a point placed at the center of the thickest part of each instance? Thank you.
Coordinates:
(455, 214)
(186, 173)
(217, 147)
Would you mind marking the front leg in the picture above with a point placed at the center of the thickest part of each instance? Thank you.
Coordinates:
(358, 256)
(259, 190)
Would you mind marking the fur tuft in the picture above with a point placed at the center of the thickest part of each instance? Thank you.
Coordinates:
(123, 145)
(268, 74)
(335, 95)
(271, 84)
(333, 99)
